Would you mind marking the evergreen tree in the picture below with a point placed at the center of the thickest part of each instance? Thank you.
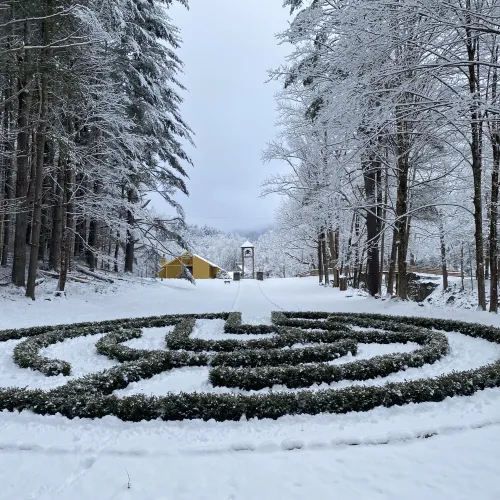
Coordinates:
(90, 122)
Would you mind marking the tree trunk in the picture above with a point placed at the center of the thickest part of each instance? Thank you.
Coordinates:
(475, 147)
(320, 260)
(487, 262)
(370, 169)
(478, 234)
(356, 252)
(110, 246)
(117, 251)
(44, 231)
(92, 242)
(9, 196)
(8, 167)
(40, 165)
(402, 163)
(493, 237)
(325, 259)
(130, 246)
(493, 223)
(347, 265)
(31, 184)
(333, 245)
(338, 269)
(91, 254)
(462, 271)
(392, 262)
(63, 241)
(382, 230)
(57, 217)
(64, 262)
(360, 269)
(443, 255)
(68, 224)
(24, 100)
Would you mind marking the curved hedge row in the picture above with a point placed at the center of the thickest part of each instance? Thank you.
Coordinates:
(92, 397)
(234, 325)
(435, 347)
(276, 357)
(286, 337)
(223, 407)
(26, 353)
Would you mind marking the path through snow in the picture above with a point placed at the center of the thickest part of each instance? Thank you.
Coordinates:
(254, 305)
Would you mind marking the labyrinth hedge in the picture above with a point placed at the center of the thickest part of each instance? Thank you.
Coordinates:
(234, 325)
(276, 357)
(286, 337)
(248, 365)
(435, 346)
(26, 353)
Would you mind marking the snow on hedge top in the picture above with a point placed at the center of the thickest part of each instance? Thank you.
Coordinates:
(247, 244)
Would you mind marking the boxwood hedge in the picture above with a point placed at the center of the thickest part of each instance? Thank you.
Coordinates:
(277, 357)
(234, 325)
(435, 345)
(26, 353)
(285, 337)
(92, 396)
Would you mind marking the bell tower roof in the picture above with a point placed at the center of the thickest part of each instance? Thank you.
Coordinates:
(247, 244)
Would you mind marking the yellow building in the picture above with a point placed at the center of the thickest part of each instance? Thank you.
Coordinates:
(199, 267)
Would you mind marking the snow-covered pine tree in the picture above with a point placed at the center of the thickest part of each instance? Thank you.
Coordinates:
(89, 123)
(147, 70)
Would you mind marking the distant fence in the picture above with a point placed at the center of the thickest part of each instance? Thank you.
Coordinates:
(409, 269)
(432, 270)
(312, 272)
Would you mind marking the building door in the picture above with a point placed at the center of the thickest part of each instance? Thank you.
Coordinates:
(190, 269)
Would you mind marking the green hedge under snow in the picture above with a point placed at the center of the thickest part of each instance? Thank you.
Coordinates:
(238, 362)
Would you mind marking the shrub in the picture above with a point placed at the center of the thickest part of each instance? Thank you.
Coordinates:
(26, 353)
(435, 346)
(286, 337)
(92, 396)
(276, 357)
(234, 325)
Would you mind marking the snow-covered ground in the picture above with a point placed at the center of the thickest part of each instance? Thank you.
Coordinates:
(306, 457)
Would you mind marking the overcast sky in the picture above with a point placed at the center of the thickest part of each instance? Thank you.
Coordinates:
(228, 46)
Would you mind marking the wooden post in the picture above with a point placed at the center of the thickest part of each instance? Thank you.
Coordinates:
(343, 283)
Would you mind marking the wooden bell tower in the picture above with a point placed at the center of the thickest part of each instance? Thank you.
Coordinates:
(247, 253)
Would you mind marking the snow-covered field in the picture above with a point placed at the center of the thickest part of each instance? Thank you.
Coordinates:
(306, 457)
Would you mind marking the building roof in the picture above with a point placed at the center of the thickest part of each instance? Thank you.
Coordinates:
(207, 261)
(247, 244)
(185, 254)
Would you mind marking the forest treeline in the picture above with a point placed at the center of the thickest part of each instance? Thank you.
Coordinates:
(390, 125)
(89, 126)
